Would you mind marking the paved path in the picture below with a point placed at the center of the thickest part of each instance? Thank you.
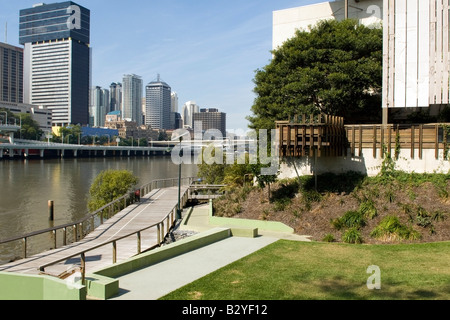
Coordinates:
(153, 208)
(158, 280)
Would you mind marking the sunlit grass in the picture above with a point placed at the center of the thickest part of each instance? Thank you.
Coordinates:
(316, 271)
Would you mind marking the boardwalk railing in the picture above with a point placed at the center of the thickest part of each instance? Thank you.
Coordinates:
(79, 229)
(163, 228)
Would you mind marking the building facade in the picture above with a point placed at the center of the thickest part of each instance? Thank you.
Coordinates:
(41, 115)
(11, 73)
(212, 119)
(189, 109)
(132, 86)
(416, 54)
(159, 105)
(115, 92)
(99, 106)
(57, 60)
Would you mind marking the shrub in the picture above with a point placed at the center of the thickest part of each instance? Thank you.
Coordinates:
(110, 185)
(391, 229)
(329, 238)
(368, 209)
(352, 219)
(352, 236)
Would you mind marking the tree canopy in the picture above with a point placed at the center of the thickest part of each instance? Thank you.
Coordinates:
(334, 68)
(110, 185)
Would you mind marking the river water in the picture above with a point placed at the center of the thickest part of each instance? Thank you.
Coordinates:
(27, 186)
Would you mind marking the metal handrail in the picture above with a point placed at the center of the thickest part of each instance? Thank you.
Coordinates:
(82, 253)
(146, 189)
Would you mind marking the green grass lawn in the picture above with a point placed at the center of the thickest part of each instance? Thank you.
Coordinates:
(290, 270)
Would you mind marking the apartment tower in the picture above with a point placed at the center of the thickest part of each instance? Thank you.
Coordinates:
(57, 60)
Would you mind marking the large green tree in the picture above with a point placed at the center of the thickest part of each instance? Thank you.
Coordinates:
(334, 68)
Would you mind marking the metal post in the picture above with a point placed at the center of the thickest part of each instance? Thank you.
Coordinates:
(346, 9)
(179, 188)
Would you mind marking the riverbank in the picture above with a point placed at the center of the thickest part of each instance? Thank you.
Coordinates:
(417, 203)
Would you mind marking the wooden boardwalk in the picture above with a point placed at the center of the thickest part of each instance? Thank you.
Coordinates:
(156, 207)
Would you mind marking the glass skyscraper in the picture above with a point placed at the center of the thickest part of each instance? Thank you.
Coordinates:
(57, 60)
(158, 105)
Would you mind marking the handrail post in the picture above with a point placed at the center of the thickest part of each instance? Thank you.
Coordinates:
(159, 234)
(114, 252)
(139, 243)
(83, 268)
(54, 240)
(64, 236)
(25, 248)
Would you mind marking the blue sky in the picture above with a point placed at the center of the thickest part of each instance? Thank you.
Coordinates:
(206, 50)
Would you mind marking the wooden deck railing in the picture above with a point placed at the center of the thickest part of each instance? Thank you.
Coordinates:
(79, 230)
(394, 138)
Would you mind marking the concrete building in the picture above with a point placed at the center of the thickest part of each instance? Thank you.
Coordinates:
(41, 115)
(132, 86)
(287, 22)
(11, 73)
(416, 55)
(57, 60)
(159, 105)
(212, 119)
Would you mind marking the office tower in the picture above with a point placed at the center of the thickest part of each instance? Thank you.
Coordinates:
(115, 90)
(57, 60)
(212, 119)
(99, 106)
(11, 73)
(159, 105)
(189, 109)
(174, 111)
(132, 98)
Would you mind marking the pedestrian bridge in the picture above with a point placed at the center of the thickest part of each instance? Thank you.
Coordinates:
(140, 225)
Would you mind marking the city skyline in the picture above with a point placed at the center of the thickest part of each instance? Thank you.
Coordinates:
(208, 52)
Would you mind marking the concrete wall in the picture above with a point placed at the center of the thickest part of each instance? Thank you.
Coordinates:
(366, 164)
(26, 287)
(286, 22)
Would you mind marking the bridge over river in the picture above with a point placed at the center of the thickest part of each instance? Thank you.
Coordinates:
(139, 227)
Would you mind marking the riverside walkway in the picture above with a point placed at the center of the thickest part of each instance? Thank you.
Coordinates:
(137, 228)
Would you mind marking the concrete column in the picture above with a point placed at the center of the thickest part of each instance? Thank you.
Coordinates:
(1, 153)
(11, 153)
(41, 153)
(75, 153)
(104, 153)
(26, 153)
(62, 153)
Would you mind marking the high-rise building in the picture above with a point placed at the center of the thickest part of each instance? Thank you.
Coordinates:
(212, 119)
(99, 106)
(115, 90)
(159, 105)
(132, 87)
(174, 122)
(187, 114)
(57, 60)
(11, 73)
